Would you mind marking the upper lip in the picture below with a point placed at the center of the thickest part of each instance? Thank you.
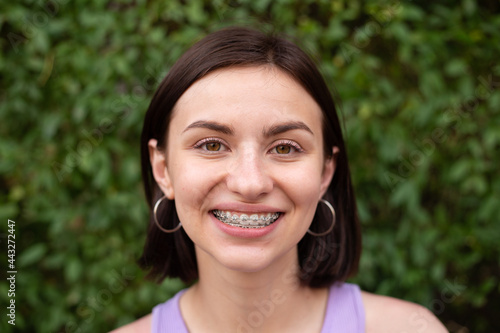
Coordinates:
(246, 208)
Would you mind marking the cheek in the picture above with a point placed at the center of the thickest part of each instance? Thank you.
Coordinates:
(302, 182)
(193, 183)
(302, 187)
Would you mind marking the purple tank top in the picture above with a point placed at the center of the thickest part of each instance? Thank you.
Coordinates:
(344, 312)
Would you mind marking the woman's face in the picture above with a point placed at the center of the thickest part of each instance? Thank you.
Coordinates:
(245, 164)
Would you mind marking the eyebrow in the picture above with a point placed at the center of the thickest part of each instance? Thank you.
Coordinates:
(268, 132)
(285, 127)
(211, 125)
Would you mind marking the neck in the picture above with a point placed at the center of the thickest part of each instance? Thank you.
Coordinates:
(226, 300)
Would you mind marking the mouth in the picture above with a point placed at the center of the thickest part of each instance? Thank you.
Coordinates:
(252, 221)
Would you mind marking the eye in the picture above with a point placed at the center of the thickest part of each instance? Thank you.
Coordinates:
(286, 148)
(282, 149)
(211, 145)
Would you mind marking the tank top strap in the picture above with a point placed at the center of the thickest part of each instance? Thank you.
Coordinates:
(344, 311)
(167, 317)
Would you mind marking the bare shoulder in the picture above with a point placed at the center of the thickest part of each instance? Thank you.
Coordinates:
(141, 325)
(388, 314)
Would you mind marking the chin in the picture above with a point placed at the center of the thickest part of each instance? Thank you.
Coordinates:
(249, 260)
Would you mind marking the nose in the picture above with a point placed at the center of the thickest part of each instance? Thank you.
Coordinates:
(247, 175)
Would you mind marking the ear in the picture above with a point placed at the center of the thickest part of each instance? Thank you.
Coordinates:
(328, 171)
(158, 162)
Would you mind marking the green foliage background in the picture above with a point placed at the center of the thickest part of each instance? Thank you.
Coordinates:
(420, 88)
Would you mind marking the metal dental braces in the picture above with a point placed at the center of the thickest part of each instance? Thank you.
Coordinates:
(245, 221)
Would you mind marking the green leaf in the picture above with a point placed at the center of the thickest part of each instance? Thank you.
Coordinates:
(32, 254)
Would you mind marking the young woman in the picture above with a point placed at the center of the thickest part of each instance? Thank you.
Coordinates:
(246, 173)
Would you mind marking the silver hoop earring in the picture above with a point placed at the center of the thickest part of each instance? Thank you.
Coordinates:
(157, 204)
(329, 205)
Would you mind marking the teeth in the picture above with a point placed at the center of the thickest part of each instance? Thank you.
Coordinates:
(245, 221)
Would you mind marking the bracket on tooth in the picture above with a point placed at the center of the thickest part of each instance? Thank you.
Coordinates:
(245, 221)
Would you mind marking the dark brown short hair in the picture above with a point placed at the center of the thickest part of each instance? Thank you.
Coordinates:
(323, 260)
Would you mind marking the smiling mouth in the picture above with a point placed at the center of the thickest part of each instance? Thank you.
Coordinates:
(246, 221)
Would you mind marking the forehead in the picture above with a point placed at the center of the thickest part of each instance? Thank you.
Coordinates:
(265, 92)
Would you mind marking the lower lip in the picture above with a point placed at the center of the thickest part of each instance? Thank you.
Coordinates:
(245, 232)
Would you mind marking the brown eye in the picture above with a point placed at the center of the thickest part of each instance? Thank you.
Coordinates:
(213, 146)
(282, 149)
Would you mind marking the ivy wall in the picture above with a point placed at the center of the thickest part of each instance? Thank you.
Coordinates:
(419, 83)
